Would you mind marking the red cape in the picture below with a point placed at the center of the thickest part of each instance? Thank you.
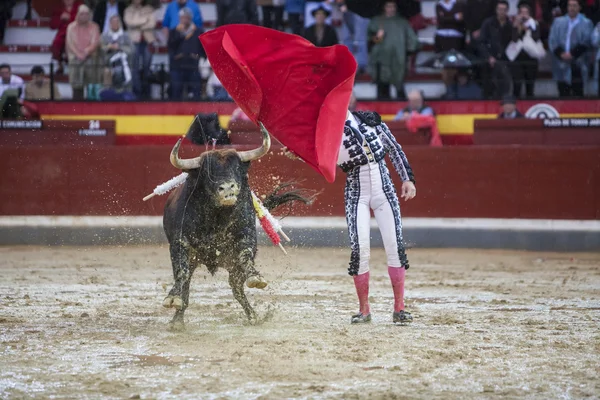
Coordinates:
(298, 91)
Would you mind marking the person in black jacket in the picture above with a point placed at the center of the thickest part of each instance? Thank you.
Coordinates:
(105, 10)
(496, 34)
(185, 51)
(320, 34)
(509, 108)
(236, 12)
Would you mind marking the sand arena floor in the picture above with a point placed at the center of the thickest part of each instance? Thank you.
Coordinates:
(88, 323)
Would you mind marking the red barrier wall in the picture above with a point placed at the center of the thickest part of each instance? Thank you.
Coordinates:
(482, 182)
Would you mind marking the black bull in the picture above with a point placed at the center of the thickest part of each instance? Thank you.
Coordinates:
(210, 221)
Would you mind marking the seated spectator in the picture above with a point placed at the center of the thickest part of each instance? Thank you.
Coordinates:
(320, 34)
(11, 82)
(40, 87)
(509, 108)
(185, 51)
(416, 105)
(236, 12)
(272, 11)
(140, 22)
(105, 10)
(524, 66)
(171, 19)
(496, 34)
(83, 41)
(450, 33)
(117, 49)
(570, 42)
(393, 41)
(295, 14)
(464, 88)
(237, 115)
(61, 18)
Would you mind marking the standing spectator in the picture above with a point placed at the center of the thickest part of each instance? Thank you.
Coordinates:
(509, 108)
(117, 49)
(104, 12)
(295, 12)
(591, 9)
(570, 42)
(310, 6)
(6, 7)
(320, 34)
(171, 18)
(272, 11)
(40, 87)
(354, 35)
(416, 105)
(450, 33)
(463, 88)
(394, 41)
(596, 45)
(524, 67)
(236, 12)
(10, 82)
(477, 11)
(83, 40)
(140, 22)
(61, 18)
(496, 34)
(185, 51)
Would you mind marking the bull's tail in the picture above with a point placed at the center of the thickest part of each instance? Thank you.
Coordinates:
(276, 199)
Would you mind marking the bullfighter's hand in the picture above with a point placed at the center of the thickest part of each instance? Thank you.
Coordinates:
(289, 154)
(409, 190)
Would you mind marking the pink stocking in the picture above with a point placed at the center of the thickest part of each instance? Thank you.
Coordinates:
(362, 290)
(397, 276)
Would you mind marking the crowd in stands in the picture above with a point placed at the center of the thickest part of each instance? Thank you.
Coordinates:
(107, 44)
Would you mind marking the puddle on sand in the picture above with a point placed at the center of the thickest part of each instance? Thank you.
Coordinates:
(153, 360)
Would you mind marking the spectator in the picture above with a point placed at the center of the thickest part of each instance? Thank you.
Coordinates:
(569, 42)
(171, 18)
(236, 12)
(509, 108)
(477, 11)
(596, 44)
(394, 40)
(272, 11)
(140, 22)
(117, 49)
(496, 34)
(215, 90)
(352, 105)
(11, 81)
(524, 67)
(320, 34)
(237, 115)
(83, 40)
(310, 6)
(61, 18)
(6, 7)
(104, 12)
(295, 13)
(185, 51)
(463, 88)
(354, 35)
(40, 87)
(416, 105)
(450, 33)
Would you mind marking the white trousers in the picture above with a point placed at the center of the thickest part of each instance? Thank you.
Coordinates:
(370, 188)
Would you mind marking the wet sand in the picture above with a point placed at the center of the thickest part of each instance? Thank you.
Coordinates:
(87, 323)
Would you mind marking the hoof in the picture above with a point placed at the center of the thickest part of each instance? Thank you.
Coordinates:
(173, 301)
(257, 282)
(177, 326)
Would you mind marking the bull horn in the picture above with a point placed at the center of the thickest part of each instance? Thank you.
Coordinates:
(255, 154)
(178, 163)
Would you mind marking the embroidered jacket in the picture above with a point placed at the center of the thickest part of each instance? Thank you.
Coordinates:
(368, 139)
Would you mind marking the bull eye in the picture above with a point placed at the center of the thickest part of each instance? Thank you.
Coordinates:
(221, 189)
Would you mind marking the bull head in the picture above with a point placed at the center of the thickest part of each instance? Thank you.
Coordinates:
(245, 156)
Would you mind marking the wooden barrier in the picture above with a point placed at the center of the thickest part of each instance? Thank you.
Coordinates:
(535, 132)
(458, 182)
(246, 133)
(57, 132)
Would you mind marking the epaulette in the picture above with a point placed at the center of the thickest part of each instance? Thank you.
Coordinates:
(370, 118)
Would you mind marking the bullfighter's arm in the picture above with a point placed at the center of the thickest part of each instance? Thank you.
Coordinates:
(397, 155)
